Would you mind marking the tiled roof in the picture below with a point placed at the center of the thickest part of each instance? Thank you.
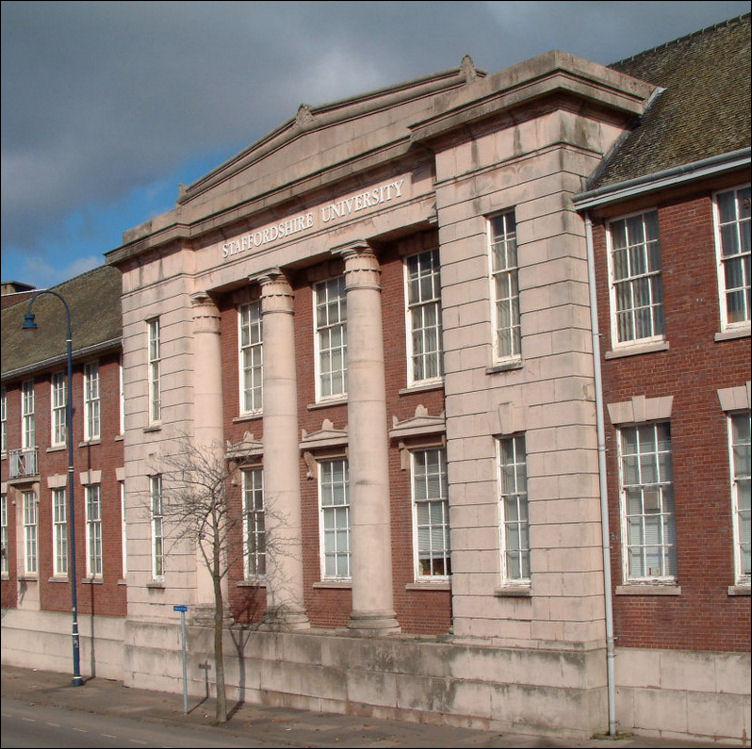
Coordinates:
(703, 112)
(94, 301)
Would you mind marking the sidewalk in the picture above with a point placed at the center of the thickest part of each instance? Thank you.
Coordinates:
(276, 726)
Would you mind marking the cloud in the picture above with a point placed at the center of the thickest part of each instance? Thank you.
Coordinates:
(101, 100)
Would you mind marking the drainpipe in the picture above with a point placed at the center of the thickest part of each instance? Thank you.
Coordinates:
(603, 485)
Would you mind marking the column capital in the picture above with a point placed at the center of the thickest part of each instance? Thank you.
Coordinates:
(276, 292)
(362, 269)
(205, 312)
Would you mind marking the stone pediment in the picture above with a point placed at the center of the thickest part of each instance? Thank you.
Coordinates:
(420, 425)
(248, 447)
(325, 437)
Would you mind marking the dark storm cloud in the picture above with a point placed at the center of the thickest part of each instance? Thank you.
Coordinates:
(99, 99)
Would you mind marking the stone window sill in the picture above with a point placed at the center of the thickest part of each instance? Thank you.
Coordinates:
(155, 585)
(153, 428)
(731, 334)
(92, 581)
(55, 449)
(429, 585)
(58, 579)
(637, 348)
(513, 591)
(88, 443)
(507, 366)
(327, 404)
(422, 387)
(648, 589)
(341, 584)
(251, 584)
(247, 417)
(738, 590)
(27, 579)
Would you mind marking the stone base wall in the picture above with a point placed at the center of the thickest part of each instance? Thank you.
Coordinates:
(679, 694)
(42, 639)
(398, 676)
(676, 695)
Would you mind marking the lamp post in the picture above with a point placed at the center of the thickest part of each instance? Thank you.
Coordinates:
(30, 325)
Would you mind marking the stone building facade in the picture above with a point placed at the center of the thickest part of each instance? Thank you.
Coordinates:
(392, 312)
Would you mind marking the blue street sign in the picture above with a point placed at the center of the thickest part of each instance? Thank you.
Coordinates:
(180, 608)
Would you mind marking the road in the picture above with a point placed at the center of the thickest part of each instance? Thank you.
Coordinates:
(29, 726)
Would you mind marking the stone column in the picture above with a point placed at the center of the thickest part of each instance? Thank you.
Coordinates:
(284, 553)
(370, 527)
(208, 429)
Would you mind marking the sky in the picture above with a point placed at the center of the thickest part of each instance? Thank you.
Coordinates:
(108, 106)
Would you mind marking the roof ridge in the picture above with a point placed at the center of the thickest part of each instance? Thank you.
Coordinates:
(699, 32)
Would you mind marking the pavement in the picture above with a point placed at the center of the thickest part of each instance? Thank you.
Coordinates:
(276, 726)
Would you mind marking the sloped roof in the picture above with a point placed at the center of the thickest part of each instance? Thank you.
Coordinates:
(703, 112)
(94, 302)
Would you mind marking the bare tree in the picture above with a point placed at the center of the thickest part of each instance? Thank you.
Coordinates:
(200, 504)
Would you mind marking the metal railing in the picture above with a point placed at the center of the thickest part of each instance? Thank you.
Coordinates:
(23, 462)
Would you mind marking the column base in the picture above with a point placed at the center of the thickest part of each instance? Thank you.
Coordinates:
(285, 620)
(373, 623)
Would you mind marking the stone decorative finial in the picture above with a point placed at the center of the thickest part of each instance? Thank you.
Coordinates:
(304, 116)
(467, 67)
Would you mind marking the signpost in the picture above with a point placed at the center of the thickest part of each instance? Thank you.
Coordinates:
(183, 638)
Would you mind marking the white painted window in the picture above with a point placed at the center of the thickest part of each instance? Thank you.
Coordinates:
(121, 399)
(334, 507)
(123, 528)
(330, 316)
(30, 534)
(4, 538)
(157, 528)
(59, 532)
(254, 531)
(58, 394)
(155, 395)
(513, 510)
(739, 447)
(636, 281)
(732, 240)
(430, 514)
(423, 284)
(91, 401)
(251, 357)
(93, 494)
(3, 422)
(647, 502)
(505, 292)
(28, 424)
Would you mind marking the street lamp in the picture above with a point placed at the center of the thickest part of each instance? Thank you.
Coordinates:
(30, 325)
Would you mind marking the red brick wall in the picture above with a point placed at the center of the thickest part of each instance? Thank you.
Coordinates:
(107, 596)
(704, 616)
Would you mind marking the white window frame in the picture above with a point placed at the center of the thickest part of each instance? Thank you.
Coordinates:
(154, 354)
(423, 335)
(330, 338)
(739, 465)
(30, 532)
(514, 510)
(632, 282)
(156, 508)
(254, 524)
(736, 227)
(121, 397)
(59, 508)
(504, 270)
(92, 404)
(58, 409)
(94, 555)
(334, 519)
(437, 554)
(250, 357)
(28, 422)
(651, 484)
(123, 529)
(3, 421)
(4, 536)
